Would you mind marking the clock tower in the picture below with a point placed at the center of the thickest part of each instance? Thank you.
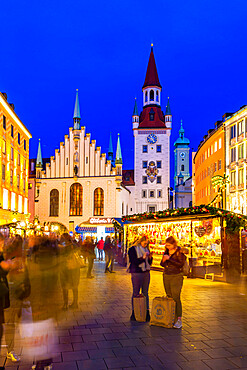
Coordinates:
(151, 129)
(182, 163)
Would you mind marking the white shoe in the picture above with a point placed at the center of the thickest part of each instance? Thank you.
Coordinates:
(13, 356)
(178, 324)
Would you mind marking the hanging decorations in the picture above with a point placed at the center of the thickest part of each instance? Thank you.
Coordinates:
(234, 221)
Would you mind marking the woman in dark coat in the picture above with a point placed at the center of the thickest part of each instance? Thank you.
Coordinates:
(172, 261)
(140, 260)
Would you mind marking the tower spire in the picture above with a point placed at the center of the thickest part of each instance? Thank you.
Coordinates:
(152, 78)
(110, 149)
(135, 113)
(118, 159)
(77, 114)
(39, 162)
(168, 108)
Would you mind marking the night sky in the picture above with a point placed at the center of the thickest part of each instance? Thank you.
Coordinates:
(51, 48)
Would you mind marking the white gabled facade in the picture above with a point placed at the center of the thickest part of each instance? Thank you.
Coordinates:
(79, 161)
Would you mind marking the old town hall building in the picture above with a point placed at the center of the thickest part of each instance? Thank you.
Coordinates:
(83, 189)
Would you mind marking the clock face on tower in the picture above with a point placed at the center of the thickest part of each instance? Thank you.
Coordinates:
(151, 139)
(182, 154)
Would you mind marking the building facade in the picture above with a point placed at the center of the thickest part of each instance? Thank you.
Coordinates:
(79, 188)
(152, 130)
(236, 157)
(14, 164)
(209, 169)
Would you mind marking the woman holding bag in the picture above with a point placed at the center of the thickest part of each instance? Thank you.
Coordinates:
(173, 261)
(140, 262)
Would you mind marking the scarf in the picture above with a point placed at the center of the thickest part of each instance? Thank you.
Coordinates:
(140, 252)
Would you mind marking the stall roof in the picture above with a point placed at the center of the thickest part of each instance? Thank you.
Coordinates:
(234, 220)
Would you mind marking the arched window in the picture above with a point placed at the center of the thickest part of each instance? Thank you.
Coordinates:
(75, 200)
(157, 96)
(146, 96)
(98, 202)
(151, 95)
(54, 203)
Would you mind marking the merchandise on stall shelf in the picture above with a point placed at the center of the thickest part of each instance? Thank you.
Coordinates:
(199, 239)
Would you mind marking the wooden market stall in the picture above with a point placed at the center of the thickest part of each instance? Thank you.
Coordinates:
(208, 236)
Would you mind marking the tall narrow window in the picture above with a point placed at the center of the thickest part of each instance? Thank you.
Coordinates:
(151, 95)
(25, 144)
(19, 138)
(146, 96)
(98, 202)
(54, 202)
(3, 172)
(76, 200)
(12, 131)
(157, 96)
(4, 122)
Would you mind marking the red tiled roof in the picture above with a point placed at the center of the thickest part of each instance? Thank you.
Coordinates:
(152, 78)
(159, 119)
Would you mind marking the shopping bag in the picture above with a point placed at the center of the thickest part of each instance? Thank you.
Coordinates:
(140, 307)
(37, 339)
(163, 312)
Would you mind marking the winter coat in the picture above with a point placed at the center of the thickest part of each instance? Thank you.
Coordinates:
(175, 263)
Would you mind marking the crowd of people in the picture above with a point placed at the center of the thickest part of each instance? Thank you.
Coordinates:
(37, 273)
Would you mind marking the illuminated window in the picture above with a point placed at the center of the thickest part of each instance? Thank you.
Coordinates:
(241, 151)
(240, 176)
(5, 198)
(12, 201)
(3, 172)
(25, 206)
(76, 200)
(233, 178)
(54, 203)
(19, 203)
(215, 146)
(220, 143)
(99, 202)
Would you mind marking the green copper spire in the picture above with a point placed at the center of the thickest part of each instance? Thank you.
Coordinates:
(168, 108)
(135, 113)
(77, 113)
(39, 162)
(181, 131)
(118, 159)
(110, 149)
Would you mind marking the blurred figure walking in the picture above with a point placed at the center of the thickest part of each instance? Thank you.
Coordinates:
(88, 250)
(109, 250)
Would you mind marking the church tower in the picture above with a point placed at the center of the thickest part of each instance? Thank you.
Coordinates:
(151, 131)
(182, 160)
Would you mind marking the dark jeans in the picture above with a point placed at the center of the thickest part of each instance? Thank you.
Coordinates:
(140, 282)
(90, 266)
(173, 285)
(100, 251)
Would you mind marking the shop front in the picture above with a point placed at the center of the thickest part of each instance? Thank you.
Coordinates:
(205, 234)
(96, 227)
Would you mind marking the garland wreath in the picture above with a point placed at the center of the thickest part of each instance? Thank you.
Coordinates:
(234, 221)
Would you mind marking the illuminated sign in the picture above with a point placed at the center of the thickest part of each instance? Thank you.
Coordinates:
(98, 220)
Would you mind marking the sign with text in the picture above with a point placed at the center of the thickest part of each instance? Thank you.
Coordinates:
(98, 220)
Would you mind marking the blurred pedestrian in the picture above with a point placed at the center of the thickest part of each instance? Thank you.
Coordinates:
(140, 259)
(100, 246)
(172, 261)
(109, 250)
(88, 250)
(69, 270)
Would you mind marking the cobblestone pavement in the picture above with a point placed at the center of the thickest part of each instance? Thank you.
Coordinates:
(99, 334)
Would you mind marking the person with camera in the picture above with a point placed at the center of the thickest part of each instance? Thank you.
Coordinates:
(140, 259)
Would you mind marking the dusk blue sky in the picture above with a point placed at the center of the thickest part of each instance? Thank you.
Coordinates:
(51, 48)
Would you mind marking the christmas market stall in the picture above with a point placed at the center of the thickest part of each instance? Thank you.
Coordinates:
(210, 237)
